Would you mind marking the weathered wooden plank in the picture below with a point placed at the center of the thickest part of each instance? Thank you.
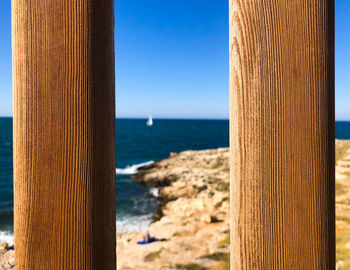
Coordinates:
(282, 134)
(64, 134)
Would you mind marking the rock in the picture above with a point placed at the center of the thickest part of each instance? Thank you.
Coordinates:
(3, 248)
(213, 164)
(7, 259)
(179, 184)
(150, 257)
(198, 205)
(226, 204)
(218, 197)
(207, 218)
(205, 263)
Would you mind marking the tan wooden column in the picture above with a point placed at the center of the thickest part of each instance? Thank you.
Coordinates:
(64, 134)
(282, 134)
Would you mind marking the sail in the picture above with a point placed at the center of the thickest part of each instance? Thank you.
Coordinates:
(150, 121)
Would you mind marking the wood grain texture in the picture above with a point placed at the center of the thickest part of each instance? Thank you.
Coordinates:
(64, 134)
(282, 134)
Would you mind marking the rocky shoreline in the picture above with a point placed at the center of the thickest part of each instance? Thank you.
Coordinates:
(7, 257)
(193, 217)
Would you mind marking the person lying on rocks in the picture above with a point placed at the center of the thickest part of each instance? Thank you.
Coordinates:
(147, 239)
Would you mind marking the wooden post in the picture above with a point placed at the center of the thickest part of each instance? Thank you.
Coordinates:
(64, 134)
(282, 134)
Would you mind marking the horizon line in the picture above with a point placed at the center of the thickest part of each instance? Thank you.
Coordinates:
(175, 118)
(154, 118)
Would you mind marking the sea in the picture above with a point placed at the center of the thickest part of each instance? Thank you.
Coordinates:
(136, 145)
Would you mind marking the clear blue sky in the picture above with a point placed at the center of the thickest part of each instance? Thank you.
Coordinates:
(172, 58)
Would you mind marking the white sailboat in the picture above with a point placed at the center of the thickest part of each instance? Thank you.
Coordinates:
(149, 121)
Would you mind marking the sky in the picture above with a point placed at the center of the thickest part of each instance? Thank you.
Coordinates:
(172, 59)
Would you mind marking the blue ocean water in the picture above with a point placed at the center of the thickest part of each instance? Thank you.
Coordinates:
(136, 144)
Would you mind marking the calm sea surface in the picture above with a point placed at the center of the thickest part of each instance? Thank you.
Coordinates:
(136, 144)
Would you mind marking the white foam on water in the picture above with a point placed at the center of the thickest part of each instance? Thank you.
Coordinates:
(134, 224)
(154, 191)
(127, 225)
(6, 237)
(132, 169)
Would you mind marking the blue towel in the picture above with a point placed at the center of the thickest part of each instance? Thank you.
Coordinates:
(149, 242)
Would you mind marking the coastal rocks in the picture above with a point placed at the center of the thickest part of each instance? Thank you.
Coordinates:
(207, 218)
(3, 247)
(342, 190)
(193, 188)
(172, 154)
(7, 259)
(193, 218)
(194, 191)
